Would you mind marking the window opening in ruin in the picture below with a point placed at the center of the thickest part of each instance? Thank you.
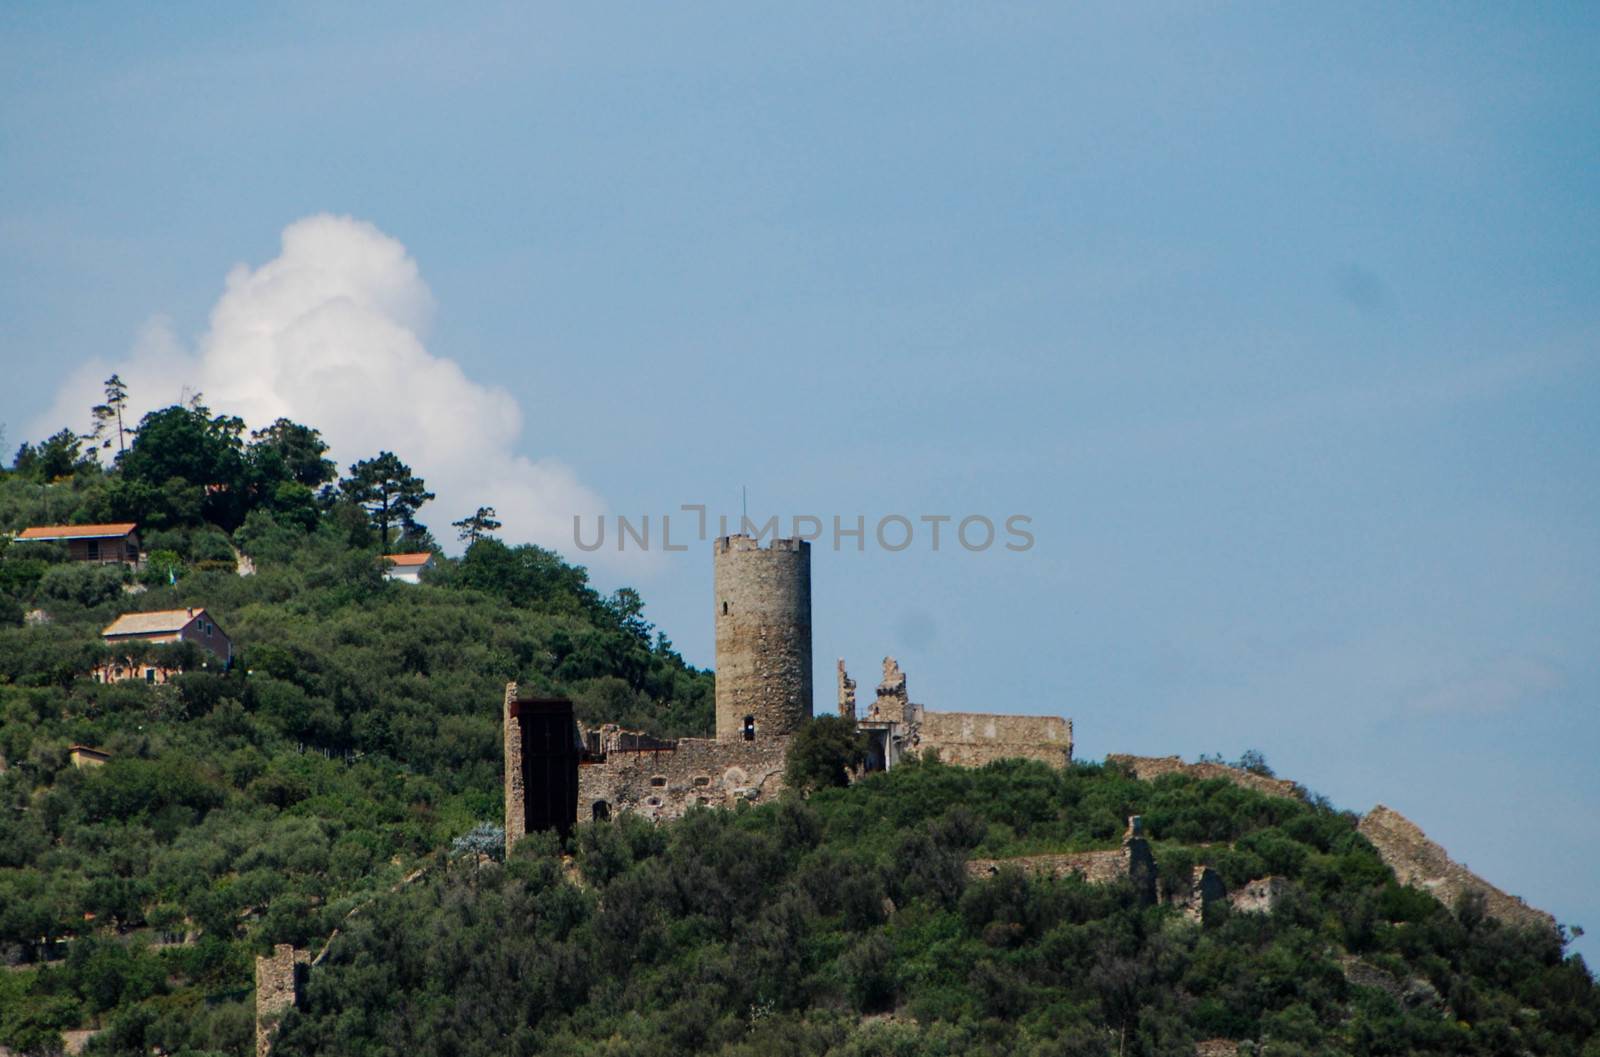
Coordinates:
(701, 781)
(601, 811)
(659, 780)
(724, 609)
(749, 728)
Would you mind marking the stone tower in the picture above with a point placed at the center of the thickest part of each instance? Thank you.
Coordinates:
(763, 618)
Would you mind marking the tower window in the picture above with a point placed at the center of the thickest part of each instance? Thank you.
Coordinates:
(724, 609)
(749, 728)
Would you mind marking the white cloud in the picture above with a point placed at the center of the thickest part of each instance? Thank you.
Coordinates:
(330, 333)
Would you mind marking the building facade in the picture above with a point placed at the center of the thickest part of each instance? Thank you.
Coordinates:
(131, 634)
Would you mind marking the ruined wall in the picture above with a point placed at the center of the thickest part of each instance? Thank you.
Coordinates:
(1418, 861)
(516, 808)
(972, 739)
(763, 625)
(1133, 862)
(278, 978)
(847, 694)
(1259, 896)
(663, 784)
(1149, 768)
(1096, 867)
(1205, 887)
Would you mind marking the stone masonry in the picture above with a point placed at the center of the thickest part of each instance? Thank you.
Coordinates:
(1149, 768)
(1418, 861)
(763, 626)
(516, 814)
(278, 979)
(1133, 862)
(664, 782)
(898, 728)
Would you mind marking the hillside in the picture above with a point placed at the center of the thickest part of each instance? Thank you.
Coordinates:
(340, 774)
(847, 924)
(355, 735)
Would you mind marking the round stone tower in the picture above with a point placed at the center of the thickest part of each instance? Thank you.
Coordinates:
(763, 599)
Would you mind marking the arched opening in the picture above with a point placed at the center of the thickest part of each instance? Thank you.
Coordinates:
(749, 728)
(601, 811)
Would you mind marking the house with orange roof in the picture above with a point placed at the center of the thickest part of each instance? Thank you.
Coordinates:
(132, 631)
(407, 568)
(90, 543)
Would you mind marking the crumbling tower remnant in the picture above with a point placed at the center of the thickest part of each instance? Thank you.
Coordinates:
(279, 977)
(847, 693)
(763, 622)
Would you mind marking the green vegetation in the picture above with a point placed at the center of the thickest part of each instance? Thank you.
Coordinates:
(357, 733)
(845, 924)
(356, 741)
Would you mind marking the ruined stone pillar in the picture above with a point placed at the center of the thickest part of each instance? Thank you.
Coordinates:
(847, 693)
(516, 805)
(278, 978)
(1140, 860)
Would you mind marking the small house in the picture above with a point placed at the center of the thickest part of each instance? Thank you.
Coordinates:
(407, 568)
(90, 543)
(83, 756)
(163, 626)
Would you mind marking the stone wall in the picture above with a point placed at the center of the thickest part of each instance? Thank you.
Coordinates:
(1259, 896)
(1205, 888)
(278, 978)
(1149, 768)
(1132, 862)
(664, 783)
(972, 739)
(1096, 867)
(763, 631)
(1418, 861)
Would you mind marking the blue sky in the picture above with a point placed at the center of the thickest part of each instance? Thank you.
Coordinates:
(1281, 325)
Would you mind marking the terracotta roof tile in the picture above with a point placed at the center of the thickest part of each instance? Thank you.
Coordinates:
(161, 622)
(77, 532)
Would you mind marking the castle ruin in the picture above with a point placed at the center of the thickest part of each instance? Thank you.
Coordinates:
(559, 772)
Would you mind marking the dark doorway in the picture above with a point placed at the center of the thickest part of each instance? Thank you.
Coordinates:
(549, 763)
(601, 811)
(749, 728)
(877, 758)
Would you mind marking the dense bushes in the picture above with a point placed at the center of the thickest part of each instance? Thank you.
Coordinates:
(356, 734)
(794, 927)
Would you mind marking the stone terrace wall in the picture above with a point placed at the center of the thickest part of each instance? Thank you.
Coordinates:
(1418, 861)
(1149, 768)
(665, 783)
(1096, 867)
(1133, 862)
(277, 988)
(972, 739)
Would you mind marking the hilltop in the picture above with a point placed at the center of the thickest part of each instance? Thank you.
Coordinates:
(342, 777)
